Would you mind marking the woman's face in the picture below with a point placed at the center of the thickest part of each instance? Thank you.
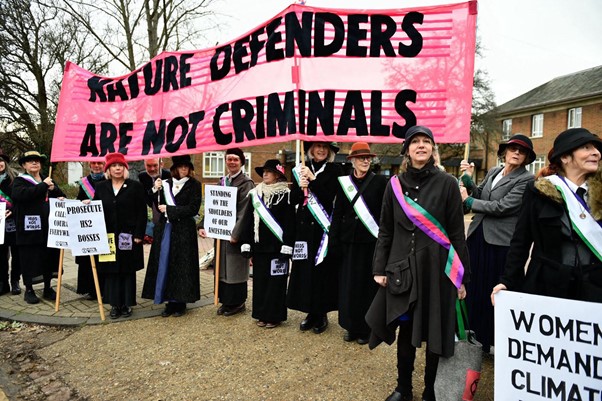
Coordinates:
(2, 166)
(97, 167)
(420, 150)
(320, 151)
(183, 171)
(361, 164)
(117, 170)
(269, 177)
(233, 164)
(33, 166)
(584, 160)
(515, 155)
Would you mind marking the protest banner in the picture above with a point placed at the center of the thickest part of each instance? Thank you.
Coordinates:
(2, 221)
(220, 211)
(58, 228)
(87, 228)
(309, 73)
(547, 348)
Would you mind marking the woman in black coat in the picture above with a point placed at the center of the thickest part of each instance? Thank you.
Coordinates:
(561, 219)
(31, 191)
(7, 176)
(172, 274)
(354, 231)
(124, 206)
(313, 285)
(268, 235)
(87, 188)
(416, 294)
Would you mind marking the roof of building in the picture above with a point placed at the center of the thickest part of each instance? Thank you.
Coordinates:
(579, 85)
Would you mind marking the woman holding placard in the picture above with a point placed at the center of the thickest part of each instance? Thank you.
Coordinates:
(172, 274)
(268, 235)
(560, 225)
(124, 207)
(7, 176)
(31, 191)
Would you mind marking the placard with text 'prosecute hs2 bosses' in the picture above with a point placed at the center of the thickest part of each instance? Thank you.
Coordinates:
(220, 211)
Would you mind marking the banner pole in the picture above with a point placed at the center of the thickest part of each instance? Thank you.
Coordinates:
(97, 286)
(216, 271)
(59, 282)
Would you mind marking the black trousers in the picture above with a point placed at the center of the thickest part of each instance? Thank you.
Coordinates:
(406, 355)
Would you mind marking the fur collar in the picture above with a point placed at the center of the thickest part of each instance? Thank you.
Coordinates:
(594, 183)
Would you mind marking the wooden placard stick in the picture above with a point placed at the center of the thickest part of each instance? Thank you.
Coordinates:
(216, 271)
(60, 281)
(98, 294)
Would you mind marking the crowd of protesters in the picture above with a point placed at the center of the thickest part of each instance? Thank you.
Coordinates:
(354, 243)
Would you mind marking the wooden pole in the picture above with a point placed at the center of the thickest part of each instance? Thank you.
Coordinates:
(466, 151)
(50, 171)
(60, 280)
(98, 294)
(216, 271)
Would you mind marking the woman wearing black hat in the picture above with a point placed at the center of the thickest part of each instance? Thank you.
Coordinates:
(7, 176)
(268, 235)
(31, 191)
(172, 274)
(496, 203)
(418, 284)
(561, 219)
(313, 286)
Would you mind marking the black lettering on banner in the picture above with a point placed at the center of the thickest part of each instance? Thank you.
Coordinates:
(271, 52)
(96, 84)
(115, 89)
(321, 48)
(108, 135)
(283, 116)
(381, 39)
(376, 115)
(407, 25)
(259, 112)
(240, 52)
(242, 116)
(154, 137)
(88, 145)
(218, 72)
(321, 111)
(221, 138)
(170, 81)
(353, 114)
(134, 87)
(150, 87)
(404, 96)
(521, 320)
(255, 45)
(355, 34)
(298, 33)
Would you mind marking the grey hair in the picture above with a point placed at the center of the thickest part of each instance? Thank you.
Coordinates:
(329, 158)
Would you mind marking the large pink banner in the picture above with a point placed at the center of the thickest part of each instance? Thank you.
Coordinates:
(309, 73)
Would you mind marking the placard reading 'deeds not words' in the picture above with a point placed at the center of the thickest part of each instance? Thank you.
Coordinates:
(220, 211)
(547, 348)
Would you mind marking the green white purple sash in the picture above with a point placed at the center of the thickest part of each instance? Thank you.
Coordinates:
(5, 198)
(87, 187)
(29, 178)
(265, 215)
(319, 213)
(360, 207)
(431, 227)
(169, 198)
(582, 221)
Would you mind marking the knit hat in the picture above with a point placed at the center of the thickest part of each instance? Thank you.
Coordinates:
(360, 149)
(412, 132)
(571, 139)
(183, 160)
(523, 142)
(238, 152)
(32, 155)
(114, 158)
(271, 165)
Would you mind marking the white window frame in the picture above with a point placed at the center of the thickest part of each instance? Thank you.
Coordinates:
(506, 129)
(217, 164)
(538, 164)
(537, 125)
(574, 117)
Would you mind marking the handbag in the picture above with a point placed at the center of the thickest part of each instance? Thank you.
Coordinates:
(458, 376)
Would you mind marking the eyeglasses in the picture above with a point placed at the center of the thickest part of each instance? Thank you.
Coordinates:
(33, 161)
(514, 148)
(364, 158)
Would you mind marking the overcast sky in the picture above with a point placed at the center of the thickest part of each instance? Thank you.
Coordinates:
(526, 42)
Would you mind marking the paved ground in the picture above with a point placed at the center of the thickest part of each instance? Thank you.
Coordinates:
(75, 310)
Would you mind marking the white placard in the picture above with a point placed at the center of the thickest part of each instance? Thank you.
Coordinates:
(58, 229)
(88, 232)
(547, 348)
(220, 211)
(279, 267)
(2, 221)
(300, 250)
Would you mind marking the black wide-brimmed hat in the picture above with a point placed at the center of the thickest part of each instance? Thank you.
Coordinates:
(523, 142)
(271, 165)
(331, 145)
(412, 132)
(32, 155)
(183, 160)
(571, 139)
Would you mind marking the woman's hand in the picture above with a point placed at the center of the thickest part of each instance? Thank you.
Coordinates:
(381, 280)
(86, 201)
(462, 292)
(307, 174)
(158, 184)
(463, 192)
(137, 240)
(8, 213)
(496, 289)
(467, 168)
(48, 181)
(162, 208)
(202, 233)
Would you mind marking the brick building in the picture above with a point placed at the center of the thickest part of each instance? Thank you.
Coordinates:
(569, 101)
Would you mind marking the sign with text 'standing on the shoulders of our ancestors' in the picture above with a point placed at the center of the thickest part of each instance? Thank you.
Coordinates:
(77, 226)
(309, 73)
(220, 211)
(547, 348)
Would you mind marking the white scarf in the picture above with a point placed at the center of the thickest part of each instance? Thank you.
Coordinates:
(271, 194)
(178, 184)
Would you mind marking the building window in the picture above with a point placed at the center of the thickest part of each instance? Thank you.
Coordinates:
(537, 126)
(214, 165)
(538, 164)
(574, 120)
(506, 129)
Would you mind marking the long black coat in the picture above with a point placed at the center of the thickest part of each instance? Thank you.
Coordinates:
(311, 288)
(183, 281)
(31, 200)
(355, 245)
(124, 213)
(9, 236)
(554, 269)
(432, 296)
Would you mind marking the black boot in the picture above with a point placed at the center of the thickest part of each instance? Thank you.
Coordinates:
(15, 289)
(321, 324)
(430, 374)
(406, 355)
(308, 323)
